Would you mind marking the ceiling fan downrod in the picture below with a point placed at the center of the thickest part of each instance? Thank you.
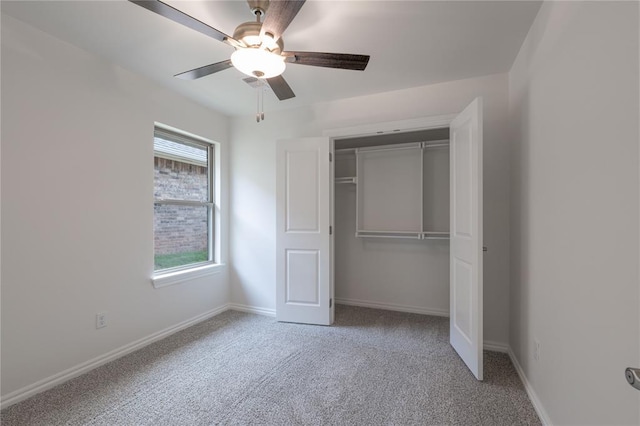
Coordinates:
(258, 7)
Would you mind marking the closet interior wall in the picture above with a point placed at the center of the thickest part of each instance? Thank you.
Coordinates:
(385, 271)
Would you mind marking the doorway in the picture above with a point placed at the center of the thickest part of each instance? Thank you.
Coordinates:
(305, 216)
(391, 206)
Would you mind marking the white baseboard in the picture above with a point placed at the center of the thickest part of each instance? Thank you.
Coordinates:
(490, 345)
(252, 309)
(70, 373)
(393, 307)
(537, 405)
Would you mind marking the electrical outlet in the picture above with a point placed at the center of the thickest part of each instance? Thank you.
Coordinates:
(536, 350)
(101, 320)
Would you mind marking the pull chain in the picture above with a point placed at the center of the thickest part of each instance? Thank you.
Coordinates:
(260, 105)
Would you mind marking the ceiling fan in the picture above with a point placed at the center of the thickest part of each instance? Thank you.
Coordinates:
(259, 45)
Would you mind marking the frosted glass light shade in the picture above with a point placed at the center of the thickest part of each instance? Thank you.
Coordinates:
(258, 62)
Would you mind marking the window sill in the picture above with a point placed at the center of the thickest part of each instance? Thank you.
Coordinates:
(179, 277)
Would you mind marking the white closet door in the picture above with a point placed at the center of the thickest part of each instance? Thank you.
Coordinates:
(302, 231)
(466, 236)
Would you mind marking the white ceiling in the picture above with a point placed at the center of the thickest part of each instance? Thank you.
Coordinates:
(411, 43)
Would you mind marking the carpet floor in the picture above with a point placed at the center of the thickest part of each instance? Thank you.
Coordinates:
(372, 367)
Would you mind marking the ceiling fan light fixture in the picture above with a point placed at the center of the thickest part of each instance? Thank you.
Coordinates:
(258, 63)
(269, 42)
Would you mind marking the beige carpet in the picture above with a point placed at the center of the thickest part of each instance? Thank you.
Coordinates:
(372, 367)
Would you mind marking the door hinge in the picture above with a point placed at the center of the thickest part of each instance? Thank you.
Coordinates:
(330, 302)
(330, 230)
(330, 157)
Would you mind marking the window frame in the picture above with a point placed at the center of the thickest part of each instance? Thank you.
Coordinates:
(183, 273)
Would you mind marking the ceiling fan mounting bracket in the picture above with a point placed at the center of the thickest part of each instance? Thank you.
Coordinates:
(258, 7)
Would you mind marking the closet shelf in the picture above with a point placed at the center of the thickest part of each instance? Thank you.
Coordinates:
(435, 235)
(403, 234)
(347, 179)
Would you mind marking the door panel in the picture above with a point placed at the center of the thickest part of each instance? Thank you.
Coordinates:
(302, 279)
(302, 231)
(463, 190)
(466, 236)
(302, 192)
(463, 296)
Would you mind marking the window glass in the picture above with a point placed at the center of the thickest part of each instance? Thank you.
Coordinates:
(180, 235)
(183, 202)
(180, 171)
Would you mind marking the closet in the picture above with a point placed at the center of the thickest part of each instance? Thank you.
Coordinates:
(391, 204)
(382, 188)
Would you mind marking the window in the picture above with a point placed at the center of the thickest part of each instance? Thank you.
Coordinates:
(184, 214)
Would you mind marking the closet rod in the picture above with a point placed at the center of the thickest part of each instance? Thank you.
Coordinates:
(397, 147)
(389, 232)
(439, 141)
(350, 179)
(404, 234)
(413, 236)
(435, 235)
(410, 145)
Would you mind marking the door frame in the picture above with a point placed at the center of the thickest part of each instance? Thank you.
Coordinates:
(402, 126)
(377, 129)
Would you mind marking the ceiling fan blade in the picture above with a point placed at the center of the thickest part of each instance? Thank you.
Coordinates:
(175, 15)
(330, 60)
(279, 15)
(205, 70)
(280, 88)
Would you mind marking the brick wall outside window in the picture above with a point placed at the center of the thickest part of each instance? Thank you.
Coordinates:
(179, 229)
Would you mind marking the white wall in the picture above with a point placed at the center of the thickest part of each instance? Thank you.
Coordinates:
(77, 215)
(574, 111)
(253, 172)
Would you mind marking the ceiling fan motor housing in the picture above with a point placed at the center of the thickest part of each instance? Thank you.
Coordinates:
(249, 34)
(261, 56)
